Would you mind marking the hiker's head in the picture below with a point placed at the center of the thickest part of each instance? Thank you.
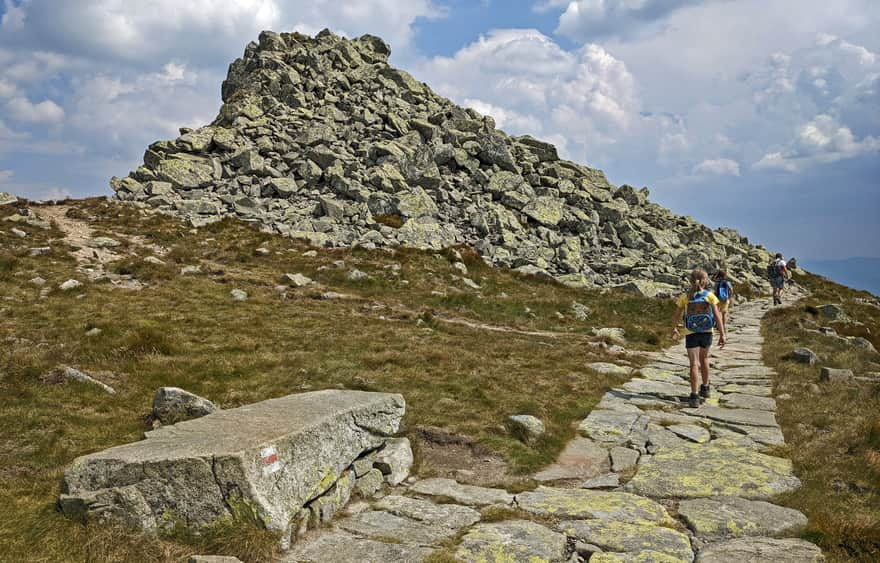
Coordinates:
(699, 280)
(720, 275)
(779, 256)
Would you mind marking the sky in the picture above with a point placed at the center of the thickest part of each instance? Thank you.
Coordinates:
(762, 115)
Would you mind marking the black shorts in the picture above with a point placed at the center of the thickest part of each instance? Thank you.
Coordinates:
(698, 340)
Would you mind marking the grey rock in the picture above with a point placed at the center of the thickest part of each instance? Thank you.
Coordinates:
(832, 312)
(581, 504)
(394, 460)
(379, 524)
(580, 311)
(70, 285)
(581, 458)
(102, 242)
(612, 426)
(213, 559)
(623, 459)
(40, 251)
(18, 232)
(526, 427)
(190, 270)
(72, 374)
(451, 516)
(6, 198)
(469, 495)
(38, 281)
(296, 280)
(835, 375)
(750, 417)
(276, 455)
(741, 401)
(337, 545)
(153, 260)
(356, 275)
(803, 356)
(690, 432)
(173, 404)
(605, 368)
(722, 517)
(369, 483)
(607, 481)
(624, 537)
(513, 541)
(761, 549)
(238, 295)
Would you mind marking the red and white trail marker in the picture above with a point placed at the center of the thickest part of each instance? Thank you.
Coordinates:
(269, 457)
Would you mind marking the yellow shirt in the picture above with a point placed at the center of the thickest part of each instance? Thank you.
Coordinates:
(682, 302)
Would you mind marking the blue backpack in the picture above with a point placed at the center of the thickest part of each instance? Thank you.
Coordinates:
(722, 290)
(699, 315)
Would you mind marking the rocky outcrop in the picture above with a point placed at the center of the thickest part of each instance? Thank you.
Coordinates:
(320, 139)
(288, 460)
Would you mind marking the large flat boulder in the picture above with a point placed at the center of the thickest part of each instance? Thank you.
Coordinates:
(275, 457)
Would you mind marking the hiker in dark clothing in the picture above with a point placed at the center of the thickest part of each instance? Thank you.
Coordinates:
(777, 271)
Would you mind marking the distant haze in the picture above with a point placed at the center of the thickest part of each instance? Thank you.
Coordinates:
(858, 273)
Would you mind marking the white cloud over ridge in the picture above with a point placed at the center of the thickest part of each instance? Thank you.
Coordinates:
(531, 85)
(717, 167)
(588, 20)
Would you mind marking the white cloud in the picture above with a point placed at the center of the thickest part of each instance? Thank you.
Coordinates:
(13, 16)
(57, 193)
(7, 89)
(586, 20)
(717, 167)
(204, 31)
(6, 175)
(22, 109)
(822, 140)
(532, 85)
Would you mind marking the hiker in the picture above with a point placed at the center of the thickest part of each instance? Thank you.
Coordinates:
(724, 293)
(699, 310)
(777, 271)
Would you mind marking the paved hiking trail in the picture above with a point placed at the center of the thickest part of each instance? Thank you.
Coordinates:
(648, 479)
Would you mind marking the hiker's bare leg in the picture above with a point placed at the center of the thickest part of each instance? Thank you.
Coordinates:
(694, 358)
(704, 366)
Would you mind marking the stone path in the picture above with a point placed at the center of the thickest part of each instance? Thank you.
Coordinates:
(649, 479)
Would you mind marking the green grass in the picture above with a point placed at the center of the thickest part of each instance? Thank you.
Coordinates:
(186, 331)
(833, 430)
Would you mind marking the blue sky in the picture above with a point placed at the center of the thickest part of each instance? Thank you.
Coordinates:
(763, 115)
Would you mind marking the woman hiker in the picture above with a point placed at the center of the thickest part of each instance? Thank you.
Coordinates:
(699, 310)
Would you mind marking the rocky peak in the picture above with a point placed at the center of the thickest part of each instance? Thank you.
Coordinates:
(320, 138)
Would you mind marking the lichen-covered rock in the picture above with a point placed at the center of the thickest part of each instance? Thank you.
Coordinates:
(512, 541)
(625, 537)
(736, 517)
(720, 468)
(761, 549)
(587, 504)
(338, 545)
(273, 457)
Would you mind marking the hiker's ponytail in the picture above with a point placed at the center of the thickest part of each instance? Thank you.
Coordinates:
(699, 281)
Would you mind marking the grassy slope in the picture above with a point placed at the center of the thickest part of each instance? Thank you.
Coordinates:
(186, 331)
(833, 431)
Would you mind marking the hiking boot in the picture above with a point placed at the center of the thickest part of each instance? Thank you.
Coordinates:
(704, 391)
(694, 401)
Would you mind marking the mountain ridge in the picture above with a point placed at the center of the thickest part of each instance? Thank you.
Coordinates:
(321, 139)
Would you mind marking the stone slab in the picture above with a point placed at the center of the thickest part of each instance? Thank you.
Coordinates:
(452, 516)
(761, 549)
(611, 426)
(512, 541)
(623, 537)
(736, 517)
(341, 546)
(469, 495)
(740, 401)
(382, 525)
(277, 455)
(719, 468)
(581, 504)
(751, 417)
(582, 458)
(690, 432)
(747, 389)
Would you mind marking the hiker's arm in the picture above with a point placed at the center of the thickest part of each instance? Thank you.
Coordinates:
(721, 328)
(676, 317)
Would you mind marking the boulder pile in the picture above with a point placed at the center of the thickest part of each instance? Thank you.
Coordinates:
(321, 139)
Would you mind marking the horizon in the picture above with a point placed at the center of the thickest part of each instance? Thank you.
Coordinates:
(786, 133)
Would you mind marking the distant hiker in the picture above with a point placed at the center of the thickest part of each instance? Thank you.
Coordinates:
(777, 271)
(724, 293)
(699, 310)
